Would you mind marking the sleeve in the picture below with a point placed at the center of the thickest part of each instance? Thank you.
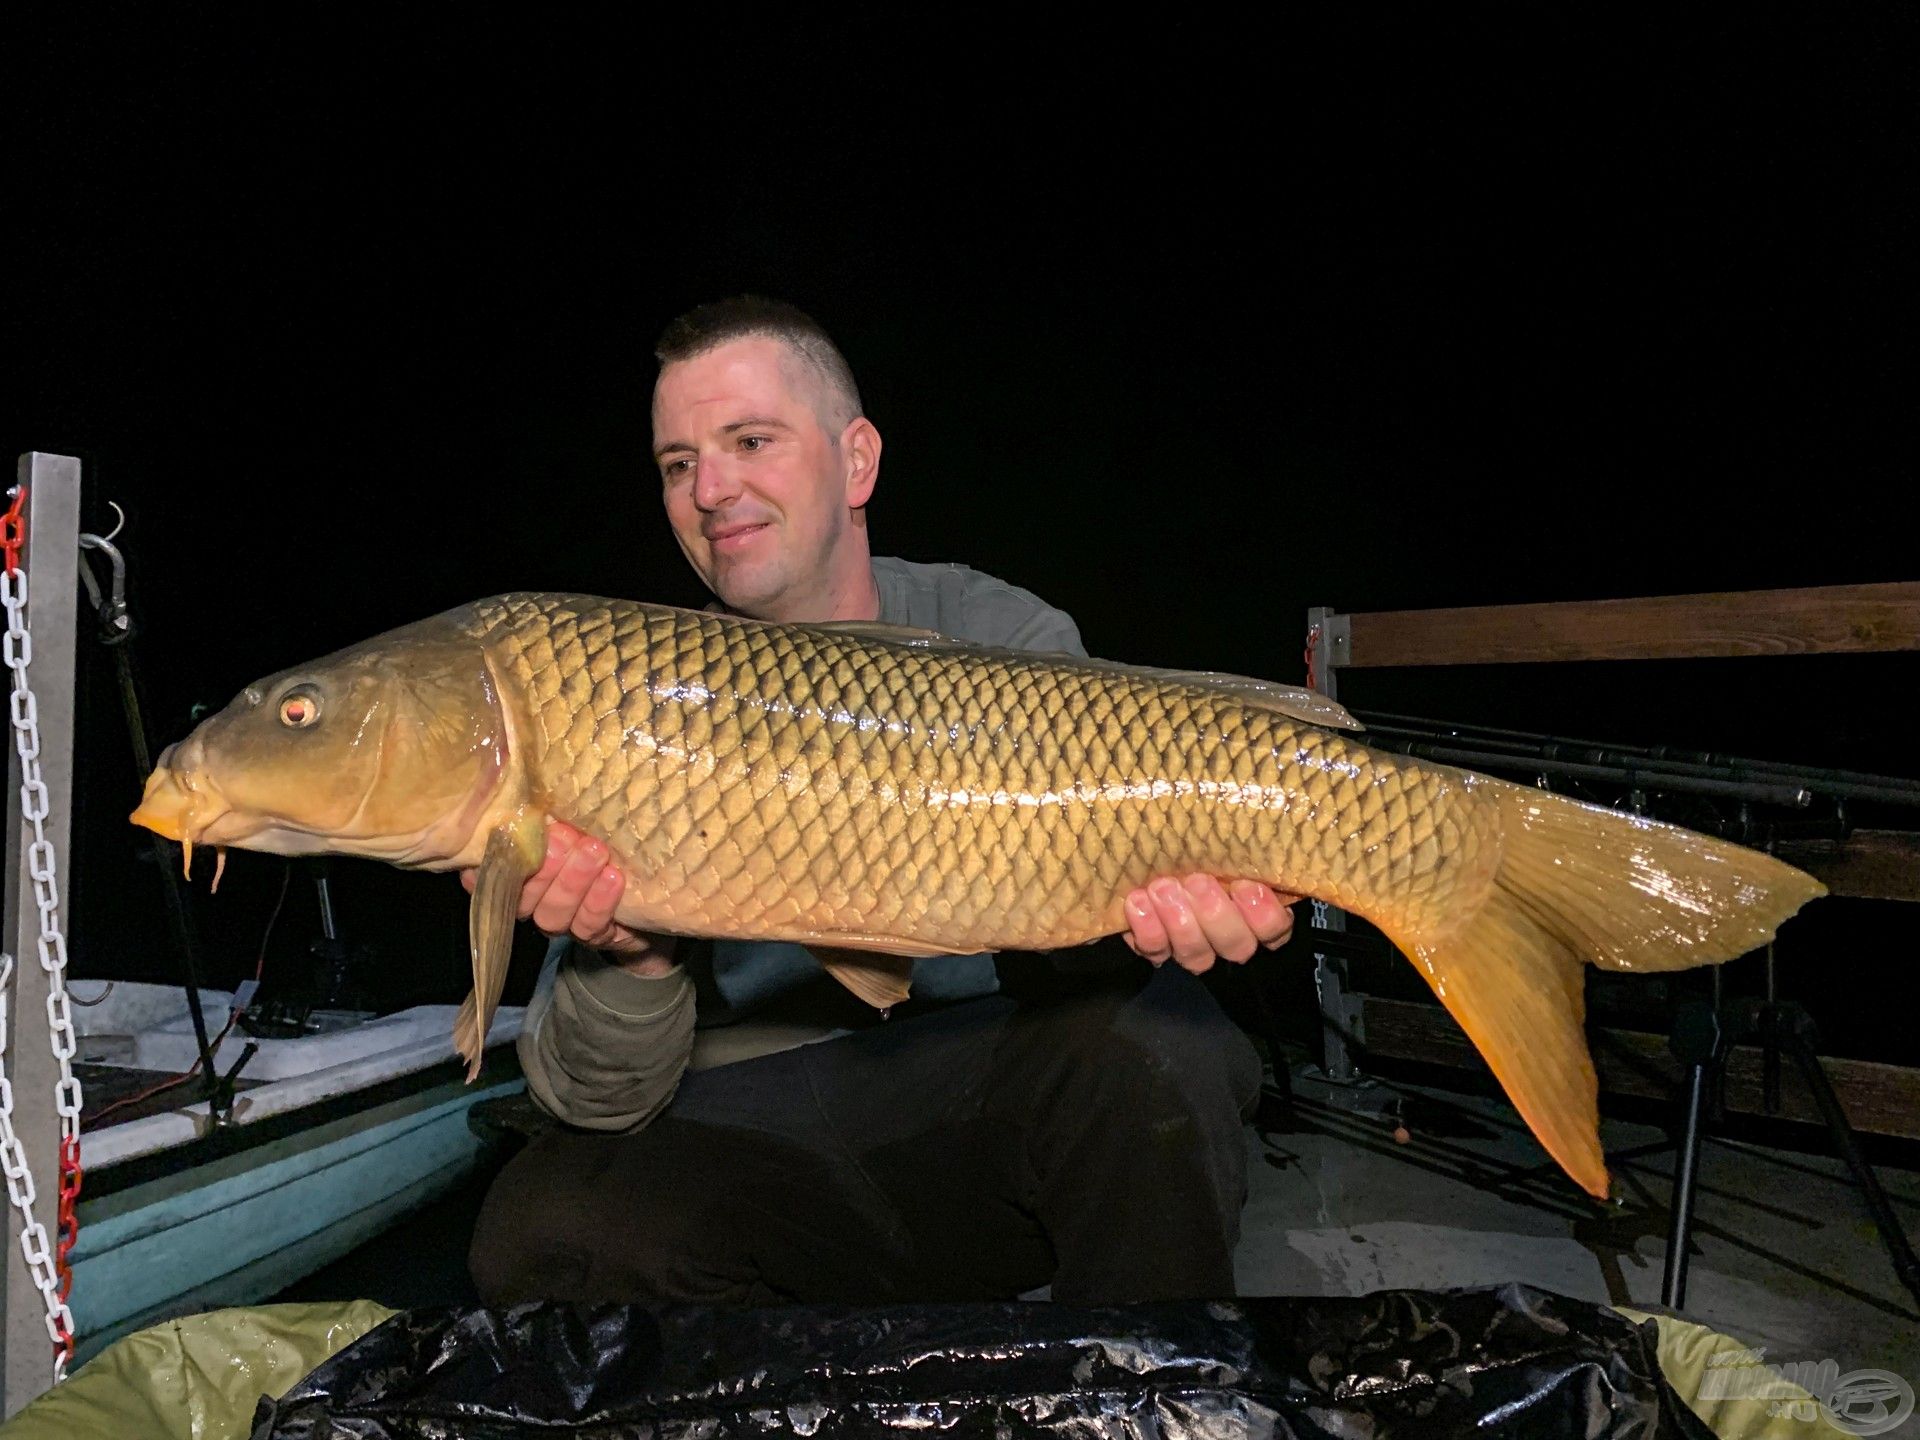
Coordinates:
(602, 1048)
(993, 612)
(1048, 630)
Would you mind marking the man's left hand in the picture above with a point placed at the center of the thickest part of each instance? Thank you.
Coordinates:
(1197, 921)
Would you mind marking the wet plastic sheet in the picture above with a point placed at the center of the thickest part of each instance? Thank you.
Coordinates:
(197, 1377)
(1501, 1361)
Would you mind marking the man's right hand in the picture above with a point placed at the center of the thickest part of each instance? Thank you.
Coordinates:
(576, 891)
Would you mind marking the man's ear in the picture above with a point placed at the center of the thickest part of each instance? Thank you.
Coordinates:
(860, 447)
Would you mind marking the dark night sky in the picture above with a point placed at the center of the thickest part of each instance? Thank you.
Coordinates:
(1185, 326)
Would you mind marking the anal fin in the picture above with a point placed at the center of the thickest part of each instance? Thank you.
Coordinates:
(883, 981)
(877, 968)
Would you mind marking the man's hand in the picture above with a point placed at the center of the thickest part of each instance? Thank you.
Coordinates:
(575, 892)
(1198, 921)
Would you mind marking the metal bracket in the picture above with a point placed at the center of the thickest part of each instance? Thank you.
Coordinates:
(1337, 632)
(1340, 1010)
(1319, 620)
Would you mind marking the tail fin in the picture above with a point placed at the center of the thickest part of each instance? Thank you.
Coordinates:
(1575, 883)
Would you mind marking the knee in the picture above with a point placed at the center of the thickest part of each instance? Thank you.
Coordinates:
(1171, 1045)
(600, 1219)
(675, 1254)
(521, 1250)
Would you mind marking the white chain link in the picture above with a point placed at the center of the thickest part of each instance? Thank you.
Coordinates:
(17, 647)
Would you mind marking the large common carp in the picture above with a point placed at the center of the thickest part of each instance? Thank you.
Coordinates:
(867, 789)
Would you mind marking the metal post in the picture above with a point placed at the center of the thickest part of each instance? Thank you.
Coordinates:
(1686, 1165)
(322, 884)
(1338, 1010)
(1770, 1056)
(1337, 1007)
(1698, 1042)
(52, 561)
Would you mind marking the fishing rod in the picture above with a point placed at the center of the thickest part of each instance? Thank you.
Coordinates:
(1663, 753)
(1638, 767)
(115, 633)
(1793, 797)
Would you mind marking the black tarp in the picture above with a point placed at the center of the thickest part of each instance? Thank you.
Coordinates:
(1499, 1361)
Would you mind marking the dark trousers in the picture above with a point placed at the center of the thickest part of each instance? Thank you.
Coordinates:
(1093, 1143)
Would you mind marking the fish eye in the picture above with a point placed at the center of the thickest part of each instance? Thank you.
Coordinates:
(299, 709)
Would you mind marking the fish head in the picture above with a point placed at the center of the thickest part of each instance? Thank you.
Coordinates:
(388, 750)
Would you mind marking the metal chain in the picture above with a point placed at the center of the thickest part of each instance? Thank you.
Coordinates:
(17, 646)
(33, 1235)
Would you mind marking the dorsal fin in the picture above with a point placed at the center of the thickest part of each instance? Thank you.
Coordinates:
(882, 630)
(1295, 701)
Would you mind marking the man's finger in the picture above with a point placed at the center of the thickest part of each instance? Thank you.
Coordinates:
(1184, 935)
(1225, 928)
(1265, 912)
(555, 911)
(1145, 934)
(593, 921)
(535, 890)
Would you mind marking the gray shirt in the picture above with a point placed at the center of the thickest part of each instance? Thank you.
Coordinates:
(603, 1048)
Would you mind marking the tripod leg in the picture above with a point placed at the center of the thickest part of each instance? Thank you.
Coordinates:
(1904, 1263)
(1686, 1166)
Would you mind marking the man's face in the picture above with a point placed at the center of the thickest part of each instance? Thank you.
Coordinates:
(756, 489)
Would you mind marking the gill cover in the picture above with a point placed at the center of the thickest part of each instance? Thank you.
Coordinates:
(387, 750)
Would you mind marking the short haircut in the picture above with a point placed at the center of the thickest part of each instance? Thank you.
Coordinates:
(742, 317)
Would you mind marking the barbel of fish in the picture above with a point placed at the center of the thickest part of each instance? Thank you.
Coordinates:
(884, 794)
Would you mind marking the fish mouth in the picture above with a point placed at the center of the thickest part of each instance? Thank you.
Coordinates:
(169, 808)
(177, 806)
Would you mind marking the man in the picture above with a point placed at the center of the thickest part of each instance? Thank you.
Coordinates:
(1091, 1142)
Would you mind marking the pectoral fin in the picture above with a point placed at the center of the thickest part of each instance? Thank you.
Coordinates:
(514, 851)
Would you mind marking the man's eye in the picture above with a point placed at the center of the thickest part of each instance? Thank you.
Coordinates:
(674, 469)
(755, 442)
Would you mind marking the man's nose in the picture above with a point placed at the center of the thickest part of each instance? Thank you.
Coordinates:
(714, 483)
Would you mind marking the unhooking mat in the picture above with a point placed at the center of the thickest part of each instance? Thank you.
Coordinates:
(1500, 1361)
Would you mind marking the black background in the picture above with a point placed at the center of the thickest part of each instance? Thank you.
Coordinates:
(1186, 324)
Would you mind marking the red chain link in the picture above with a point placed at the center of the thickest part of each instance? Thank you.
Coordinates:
(71, 1176)
(67, 1230)
(13, 529)
(1313, 640)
